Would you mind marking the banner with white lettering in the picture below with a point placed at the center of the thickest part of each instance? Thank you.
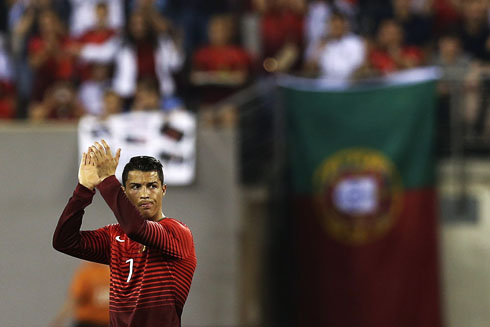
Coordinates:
(169, 137)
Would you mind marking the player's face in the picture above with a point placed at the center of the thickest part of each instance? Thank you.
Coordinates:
(145, 190)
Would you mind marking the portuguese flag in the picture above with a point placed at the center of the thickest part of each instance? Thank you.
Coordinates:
(365, 221)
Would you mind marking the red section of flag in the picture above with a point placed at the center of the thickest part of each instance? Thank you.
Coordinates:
(390, 282)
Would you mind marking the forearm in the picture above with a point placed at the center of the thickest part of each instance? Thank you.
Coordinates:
(69, 239)
(67, 233)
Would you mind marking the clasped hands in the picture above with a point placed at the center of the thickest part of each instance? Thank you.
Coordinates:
(97, 164)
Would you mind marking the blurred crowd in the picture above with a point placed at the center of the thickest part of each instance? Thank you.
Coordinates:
(62, 59)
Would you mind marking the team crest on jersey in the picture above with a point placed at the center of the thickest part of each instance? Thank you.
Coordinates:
(359, 195)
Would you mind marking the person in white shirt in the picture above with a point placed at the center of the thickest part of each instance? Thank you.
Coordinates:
(338, 55)
(83, 15)
(147, 52)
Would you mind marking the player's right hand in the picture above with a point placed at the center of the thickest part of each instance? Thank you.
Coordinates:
(105, 162)
(87, 174)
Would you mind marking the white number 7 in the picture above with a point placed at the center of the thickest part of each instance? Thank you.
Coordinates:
(130, 269)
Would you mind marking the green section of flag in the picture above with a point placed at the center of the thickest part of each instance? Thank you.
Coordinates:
(396, 120)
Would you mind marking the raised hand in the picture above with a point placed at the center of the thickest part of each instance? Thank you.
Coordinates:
(105, 162)
(87, 173)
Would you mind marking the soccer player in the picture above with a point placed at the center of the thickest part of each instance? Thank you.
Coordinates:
(151, 257)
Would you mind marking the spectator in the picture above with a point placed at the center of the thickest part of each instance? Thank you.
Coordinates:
(457, 68)
(417, 27)
(370, 13)
(96, 50)
(282, 32)
(338, 55)
(318, 14)
(84, 17)
(98, 44)
(389, 52)
(152, 9)
(416, 24)
(220, 68)
(452, 60)
(91, 91)
(59, 103)
(474, 30)
(23, 23)
(146, 54)
(49, 54)
(25, 12)
(191, 17)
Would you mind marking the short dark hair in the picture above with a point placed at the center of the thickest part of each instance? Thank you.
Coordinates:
(142, 163)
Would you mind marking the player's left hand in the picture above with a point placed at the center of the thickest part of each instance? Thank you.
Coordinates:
(106, 163)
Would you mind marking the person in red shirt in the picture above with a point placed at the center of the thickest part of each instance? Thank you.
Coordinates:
(282, 33)
(49, 54)
(59, 103)
(220, 67)
(389, 53)
(151, 257)
(101, 32)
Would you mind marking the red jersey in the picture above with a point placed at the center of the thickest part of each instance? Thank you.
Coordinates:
(222, 58)
(151, 263)
(92, 37)
(97, 36)
(145, 60)
(383, 62)
(279, 28)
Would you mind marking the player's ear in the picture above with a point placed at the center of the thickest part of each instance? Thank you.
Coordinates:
(164, 189)
(124, 189)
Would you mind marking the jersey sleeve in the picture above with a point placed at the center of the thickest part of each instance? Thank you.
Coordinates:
(88, 245)
(169, 236)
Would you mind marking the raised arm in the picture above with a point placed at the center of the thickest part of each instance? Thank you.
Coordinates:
(67, 238)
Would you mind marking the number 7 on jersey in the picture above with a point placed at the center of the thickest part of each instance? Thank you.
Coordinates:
(130, 269)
